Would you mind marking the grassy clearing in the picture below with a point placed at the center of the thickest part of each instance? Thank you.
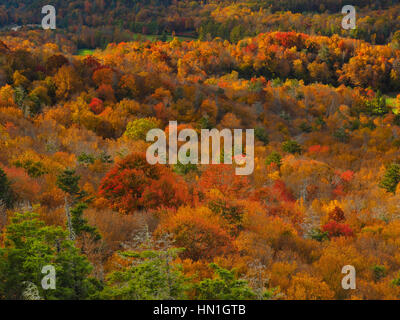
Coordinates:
(392, 103)
(141, 37)
(85, 52)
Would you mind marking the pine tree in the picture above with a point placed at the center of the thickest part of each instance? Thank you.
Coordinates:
(391, 178)
(224, 286)
(68, 181)
(152, 274)
(291, 146)
(274, 157)
(29, 246)
(7, 196)
(80, 224)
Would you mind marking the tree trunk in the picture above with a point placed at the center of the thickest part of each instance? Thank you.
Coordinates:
(69, 223)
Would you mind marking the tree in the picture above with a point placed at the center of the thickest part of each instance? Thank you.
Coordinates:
(274, 157)
(306, 287)
(7, 196)
(377, 106)
(68, 182)
(341, 135)
(7, 96)
(231, 212)
(152, 275)
(291, 146)
(337, 215)
(96, 105)
(223, 178)
(34, 169)
(20, 80)
(200, 231)
(261, 134)
(258, 279)
(335, 229)
(80, 224)
(318, 235)
(133, 184)
(30, 245)
(225, 286)
(137, 129)
(391, 178)
(237, 33)
(103, 76)
(379, 272)
(67, 82)
(106, 92)
(184, 169)
(55, 62)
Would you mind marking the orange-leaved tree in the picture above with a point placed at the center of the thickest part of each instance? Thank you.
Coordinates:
(133, 184)
(201, 232)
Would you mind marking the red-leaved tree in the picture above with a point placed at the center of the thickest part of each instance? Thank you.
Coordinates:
(133, 184)
(336, 229)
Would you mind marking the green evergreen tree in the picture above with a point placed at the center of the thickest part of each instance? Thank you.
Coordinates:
(152, 275)
(225, 286)
(68, 181)
(274, 157)
(291, 146)
(391, 178)
(7, 196)
(80, 224)
(262, 135)
(29, 246)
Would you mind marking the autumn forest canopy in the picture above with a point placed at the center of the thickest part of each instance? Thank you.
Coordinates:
(78, 193)
(95, 23)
